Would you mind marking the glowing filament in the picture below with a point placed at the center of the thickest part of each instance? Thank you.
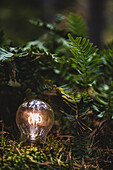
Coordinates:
(34, 118)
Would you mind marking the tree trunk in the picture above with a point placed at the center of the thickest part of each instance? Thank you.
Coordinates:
(49, 10)
(96, 21)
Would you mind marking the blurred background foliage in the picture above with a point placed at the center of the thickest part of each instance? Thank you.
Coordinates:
(15, 16)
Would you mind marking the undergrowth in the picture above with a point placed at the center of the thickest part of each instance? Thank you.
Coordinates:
(75, 78)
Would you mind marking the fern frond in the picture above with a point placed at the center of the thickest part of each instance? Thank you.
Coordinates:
(68, 96)
(40, 23)
(109, 45)
(106, 57)
(76, 25)
(105, 98)
(81, 146)
(85, 61)
(4, 55)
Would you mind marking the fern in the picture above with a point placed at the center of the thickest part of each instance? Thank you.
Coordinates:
(24, 67)
(106, 57)
(68, 96)
(105, 99)
(76, 26)
(81, 149)
(84, 62)
(109, 45)
(4, 55)
(75, 111)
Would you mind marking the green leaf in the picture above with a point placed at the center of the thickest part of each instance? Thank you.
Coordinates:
(101, 114)
(4, 55)
(85, 61)
(99, 99)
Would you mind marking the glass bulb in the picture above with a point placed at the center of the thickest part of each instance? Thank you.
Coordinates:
(34, 119)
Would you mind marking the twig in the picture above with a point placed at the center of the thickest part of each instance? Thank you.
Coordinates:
(40, 163)
(96, 131)
(18, 151)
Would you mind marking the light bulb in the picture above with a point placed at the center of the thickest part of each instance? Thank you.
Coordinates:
(34, 119)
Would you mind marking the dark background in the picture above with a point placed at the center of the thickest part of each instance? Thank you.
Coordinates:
(15, 15)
